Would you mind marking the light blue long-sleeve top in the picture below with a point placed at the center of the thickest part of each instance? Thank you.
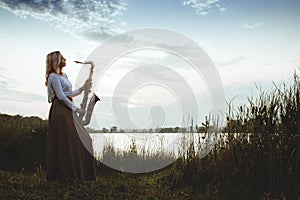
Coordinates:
(61, 87)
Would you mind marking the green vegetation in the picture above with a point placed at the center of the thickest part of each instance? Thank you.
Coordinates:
(257, 157)
(114, 185)
(22, 142)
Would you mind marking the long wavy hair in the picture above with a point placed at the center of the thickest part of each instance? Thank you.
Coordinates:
(53, 64)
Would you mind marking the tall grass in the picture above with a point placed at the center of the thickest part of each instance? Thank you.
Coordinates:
(258, 155)
(136, 159)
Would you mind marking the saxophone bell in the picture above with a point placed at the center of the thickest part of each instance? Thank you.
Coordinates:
(90, 109)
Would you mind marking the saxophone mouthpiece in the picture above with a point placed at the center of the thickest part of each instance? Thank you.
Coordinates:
(78, 62)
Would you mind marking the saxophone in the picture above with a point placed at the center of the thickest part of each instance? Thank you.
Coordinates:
(85, 117)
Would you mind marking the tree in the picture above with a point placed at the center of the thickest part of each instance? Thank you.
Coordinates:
(113, 129)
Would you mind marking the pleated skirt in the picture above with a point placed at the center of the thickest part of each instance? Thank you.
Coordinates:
(69, 146)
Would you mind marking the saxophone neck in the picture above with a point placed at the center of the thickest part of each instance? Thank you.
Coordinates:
(90, 63)
(86, 62)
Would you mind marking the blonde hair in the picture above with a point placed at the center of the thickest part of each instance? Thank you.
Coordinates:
(53, 62)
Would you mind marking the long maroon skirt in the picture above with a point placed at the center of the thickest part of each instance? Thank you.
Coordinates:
(69, 146)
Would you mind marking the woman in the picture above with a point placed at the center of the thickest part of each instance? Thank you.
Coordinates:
(69, 147)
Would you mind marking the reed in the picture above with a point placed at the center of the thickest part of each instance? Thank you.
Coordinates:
(257, 155)
(136, 159)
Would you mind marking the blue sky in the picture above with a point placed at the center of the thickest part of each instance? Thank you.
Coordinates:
(249, 42)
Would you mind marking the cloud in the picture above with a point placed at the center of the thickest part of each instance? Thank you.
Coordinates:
(233, 61)
(8, 93)
(203, 7)
(18, 96)
(252, 25)
(91, 19)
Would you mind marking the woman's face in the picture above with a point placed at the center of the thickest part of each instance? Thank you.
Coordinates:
(63, 62)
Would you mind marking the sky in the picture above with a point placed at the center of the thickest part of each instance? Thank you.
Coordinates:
(248, 41)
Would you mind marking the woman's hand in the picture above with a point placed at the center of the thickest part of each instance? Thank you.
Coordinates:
(80, 110)
(87, 84)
